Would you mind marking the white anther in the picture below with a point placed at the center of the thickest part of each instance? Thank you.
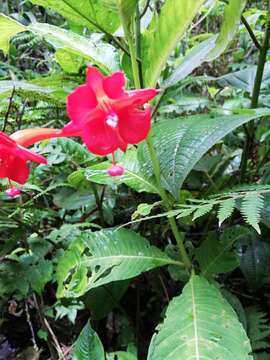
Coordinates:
(112, 121)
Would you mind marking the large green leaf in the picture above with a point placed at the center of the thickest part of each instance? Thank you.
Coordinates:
(100, 53)
(200, 324)
(105, 256)
(197, 55)
(86, 13)
(8, 28)
(163, 34)
(88, 346)
(232, 15)
(180, 143)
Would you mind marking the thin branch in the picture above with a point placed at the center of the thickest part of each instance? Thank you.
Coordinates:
(145, 9)
(28, 318)
(8, 109)
(46, 327)
(251, 33)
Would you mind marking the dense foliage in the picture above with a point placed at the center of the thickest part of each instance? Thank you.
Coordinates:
(171, 258)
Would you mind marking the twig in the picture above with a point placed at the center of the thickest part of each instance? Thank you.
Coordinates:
(46, 327)
(20, 115)
(251, 33)
(164, 288)
(28, 318)
(8, 109)
(145, 9)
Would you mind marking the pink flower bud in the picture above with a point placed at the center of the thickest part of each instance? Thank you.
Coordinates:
(116, 170)
(13, 192)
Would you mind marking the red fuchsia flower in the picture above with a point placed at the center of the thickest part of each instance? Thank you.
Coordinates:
(105, 115)
(13, 160)
(14, 155)
(28, 137)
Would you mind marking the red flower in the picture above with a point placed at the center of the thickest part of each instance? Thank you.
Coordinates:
(13, 159)
(105, 115)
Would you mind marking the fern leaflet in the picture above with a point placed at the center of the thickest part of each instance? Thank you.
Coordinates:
(251, 207)
(225, 210)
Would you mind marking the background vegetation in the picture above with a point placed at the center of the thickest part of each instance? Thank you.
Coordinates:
(62, 262)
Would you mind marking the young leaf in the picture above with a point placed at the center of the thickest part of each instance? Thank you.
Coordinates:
(180, 144)
(163, 34)
(251, 208)
(230, 25)
(225, 210)
(88, 346)
(8, 28)
(199, 324)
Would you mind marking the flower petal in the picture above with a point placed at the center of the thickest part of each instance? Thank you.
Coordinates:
(29, 155)
(18, 170)
(114, 85)
(135, 98)
(80, 103)
(94, 80)
(100, 138)
(134, 126)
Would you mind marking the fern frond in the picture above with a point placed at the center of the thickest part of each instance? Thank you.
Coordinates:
(225, 210)
(258, 328)
(203, 210)
(251, 207)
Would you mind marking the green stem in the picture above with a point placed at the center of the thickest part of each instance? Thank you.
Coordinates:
(248, 149)
(153, 155)
(99, 204)
(166, 201)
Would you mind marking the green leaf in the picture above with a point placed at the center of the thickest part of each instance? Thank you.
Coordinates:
(105, 256)
(100, 53)
(91, 14)
(191, 61)
(215, 255)
(254, 255)
(8, 28)
(100, 301)
(163, 34)
(40, 274)
(181, 143)
(200, 324)
(225, 210)
(69, 199)
(121, 355)
(230, 25)
(88, 346)
(244, 79)
(132, 176)
(251, 207)
(69, 62)
(126, 10)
